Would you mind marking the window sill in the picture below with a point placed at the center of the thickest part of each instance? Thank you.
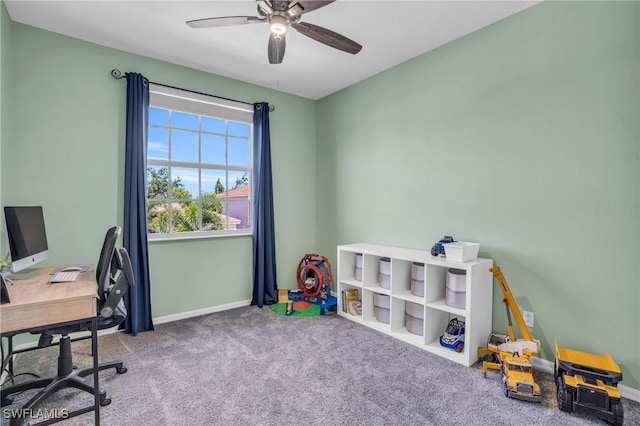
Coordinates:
(153, 238)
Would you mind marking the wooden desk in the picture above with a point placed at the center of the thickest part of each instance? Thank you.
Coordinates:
(37, 304)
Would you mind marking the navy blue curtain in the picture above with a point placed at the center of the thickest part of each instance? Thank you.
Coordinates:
(138, 298)
(265, 287)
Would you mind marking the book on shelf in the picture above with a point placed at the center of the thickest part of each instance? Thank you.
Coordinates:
(355, 307)
(349, 296)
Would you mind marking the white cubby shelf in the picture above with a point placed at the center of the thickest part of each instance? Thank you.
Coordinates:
(476, 314)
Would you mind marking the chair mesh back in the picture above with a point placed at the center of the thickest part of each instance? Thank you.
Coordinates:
(104, 270)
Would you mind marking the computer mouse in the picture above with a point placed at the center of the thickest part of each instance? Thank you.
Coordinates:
(71, 269)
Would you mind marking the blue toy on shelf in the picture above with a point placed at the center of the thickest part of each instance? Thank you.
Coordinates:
(454, 336)
(438, 248)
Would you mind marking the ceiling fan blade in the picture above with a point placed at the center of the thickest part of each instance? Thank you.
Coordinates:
(308, 6)
(277, 44)
(224, 21)
(328, 37)
(264, 7)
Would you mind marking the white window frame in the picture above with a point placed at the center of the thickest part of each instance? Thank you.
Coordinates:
(195, 103)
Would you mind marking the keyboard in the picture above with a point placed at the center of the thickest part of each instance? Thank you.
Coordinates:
(62, 276)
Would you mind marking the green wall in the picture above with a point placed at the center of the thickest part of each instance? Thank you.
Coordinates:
(68, 156)
(6, 49)
(523, 136)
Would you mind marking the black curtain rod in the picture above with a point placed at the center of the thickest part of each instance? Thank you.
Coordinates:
(117, 74)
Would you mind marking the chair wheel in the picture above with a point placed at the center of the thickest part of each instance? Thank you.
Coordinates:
(121, 370)
(105, 402)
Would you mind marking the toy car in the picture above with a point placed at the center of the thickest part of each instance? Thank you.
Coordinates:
(454, 336)
(438, 247)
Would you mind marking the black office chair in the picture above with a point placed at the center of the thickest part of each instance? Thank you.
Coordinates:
(115, 275)
(108, 265)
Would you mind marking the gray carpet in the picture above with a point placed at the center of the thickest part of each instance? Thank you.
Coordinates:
(250, 366)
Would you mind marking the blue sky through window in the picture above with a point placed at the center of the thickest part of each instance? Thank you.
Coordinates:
(183, 128)
(185, 142)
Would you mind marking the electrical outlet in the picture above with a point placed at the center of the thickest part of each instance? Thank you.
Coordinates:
(528, 318)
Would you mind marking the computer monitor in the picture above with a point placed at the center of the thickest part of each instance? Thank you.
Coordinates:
(27, 236)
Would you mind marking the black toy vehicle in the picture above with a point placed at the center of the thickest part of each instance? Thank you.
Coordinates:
(438, 247)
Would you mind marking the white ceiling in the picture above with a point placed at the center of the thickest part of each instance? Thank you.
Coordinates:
(390, 32)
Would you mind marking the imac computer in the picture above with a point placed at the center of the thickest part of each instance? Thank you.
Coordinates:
(27, 238)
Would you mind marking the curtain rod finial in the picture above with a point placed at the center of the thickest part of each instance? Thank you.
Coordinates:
(115, 73)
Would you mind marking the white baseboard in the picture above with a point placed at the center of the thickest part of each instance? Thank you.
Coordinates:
(198, 312)
(549, 367)
(629, 393)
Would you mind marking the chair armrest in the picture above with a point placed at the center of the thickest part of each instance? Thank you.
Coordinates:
(115, 295)
(117, 291)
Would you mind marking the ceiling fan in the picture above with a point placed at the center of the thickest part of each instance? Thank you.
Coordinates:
(280, 15)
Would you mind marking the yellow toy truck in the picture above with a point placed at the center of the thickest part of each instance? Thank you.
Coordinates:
(587, 383)
(517, 374)
(509, 355)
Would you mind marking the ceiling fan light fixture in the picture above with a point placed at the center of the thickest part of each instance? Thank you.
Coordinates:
(278, 24)
(280, 15)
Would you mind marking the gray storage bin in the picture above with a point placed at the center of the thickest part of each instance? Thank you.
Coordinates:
(384, 277)
(456, 292)
(417, 279)
(381, 305)
(414, 318)
(357, 274)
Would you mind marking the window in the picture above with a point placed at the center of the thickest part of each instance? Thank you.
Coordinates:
(198, 165)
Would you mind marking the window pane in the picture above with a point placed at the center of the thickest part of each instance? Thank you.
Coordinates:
(239, 129)
(238, 179)
(213, 181)
(157, 182)
(158, 143)
(213, 149)
(158, 217)
(213, 186)
(184, 120)
(211, 219)
(158, 116)
(238, 204)
(184, 183)
(184, 146)
(186, 216)
(239, 152)
(214, 125)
